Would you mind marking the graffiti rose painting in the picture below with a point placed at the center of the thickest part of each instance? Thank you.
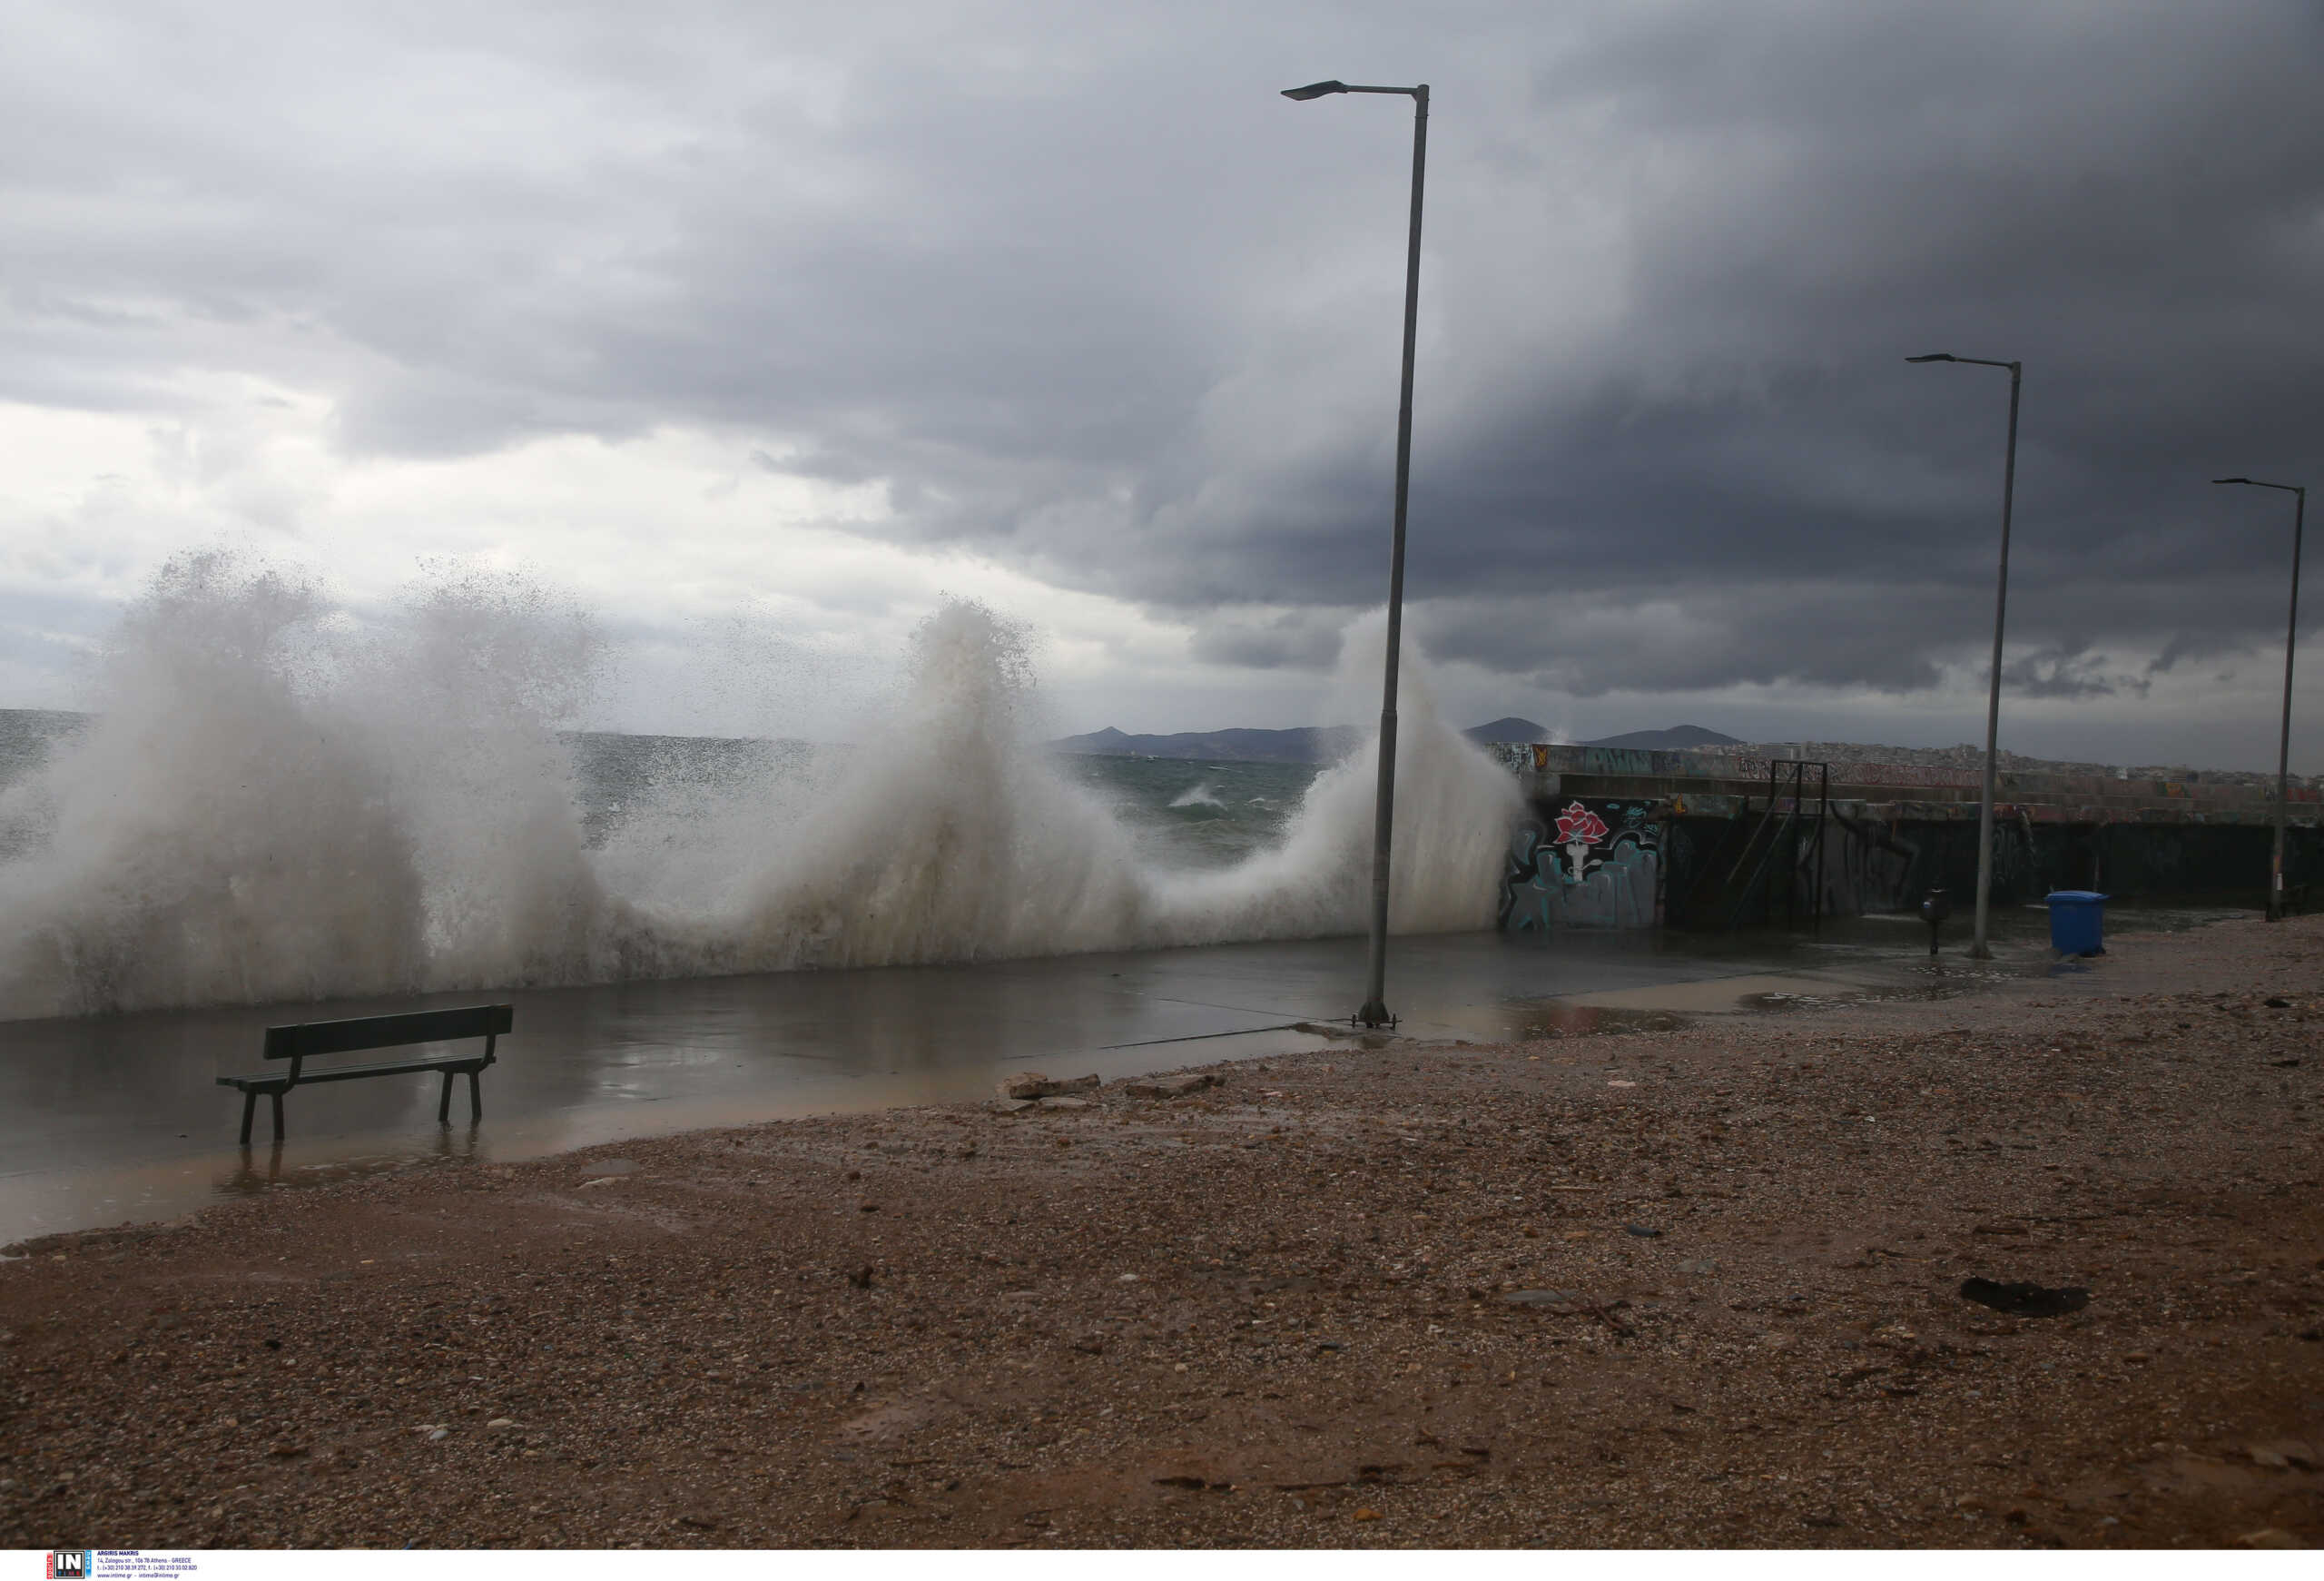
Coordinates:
(1608, 876)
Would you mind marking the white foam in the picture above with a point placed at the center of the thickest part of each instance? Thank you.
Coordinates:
(271, 808)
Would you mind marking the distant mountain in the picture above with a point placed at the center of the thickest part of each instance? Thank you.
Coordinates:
(1307, 743)
(1677, 738)
(1511, 728)
(1673, 739)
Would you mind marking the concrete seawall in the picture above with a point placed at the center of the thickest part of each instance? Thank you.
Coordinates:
(1621, 839)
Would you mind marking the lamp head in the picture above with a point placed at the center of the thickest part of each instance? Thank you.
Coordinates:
(1316, 90)
(1934, 357)
(2231, 480)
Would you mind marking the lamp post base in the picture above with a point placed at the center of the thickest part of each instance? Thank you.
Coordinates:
(1979, 952)
(1374, 1014)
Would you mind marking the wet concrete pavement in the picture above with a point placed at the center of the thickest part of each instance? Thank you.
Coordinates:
(110, 1119)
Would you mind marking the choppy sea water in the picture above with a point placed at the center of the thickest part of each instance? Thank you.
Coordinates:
(1206, 815)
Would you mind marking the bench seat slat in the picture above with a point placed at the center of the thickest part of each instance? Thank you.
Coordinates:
(458, 1066)
(386, 1031)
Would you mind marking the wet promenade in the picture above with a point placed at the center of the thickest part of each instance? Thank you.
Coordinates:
(110, 1119)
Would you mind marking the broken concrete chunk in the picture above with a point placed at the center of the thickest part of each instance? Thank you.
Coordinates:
(1169, 1086)
(1029, 1085)
(1065, 1104)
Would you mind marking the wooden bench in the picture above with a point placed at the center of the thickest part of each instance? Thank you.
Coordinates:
(312, 1039)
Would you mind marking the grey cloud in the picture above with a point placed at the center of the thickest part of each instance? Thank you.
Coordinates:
(1695, 637)
(1295, 638)
(1086, 296)
(2068, 669)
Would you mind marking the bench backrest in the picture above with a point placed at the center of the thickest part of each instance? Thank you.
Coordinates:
(311, 1038)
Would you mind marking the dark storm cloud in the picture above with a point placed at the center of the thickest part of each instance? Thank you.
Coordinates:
(1085, 295)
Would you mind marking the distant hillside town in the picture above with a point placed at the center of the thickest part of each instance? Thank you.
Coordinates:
(1327, 744)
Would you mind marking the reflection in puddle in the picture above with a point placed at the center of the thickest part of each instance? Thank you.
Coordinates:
(1786, 1001)
(258, 1170)
(1559, 1017)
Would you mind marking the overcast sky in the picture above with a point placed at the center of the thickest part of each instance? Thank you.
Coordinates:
(760, 327)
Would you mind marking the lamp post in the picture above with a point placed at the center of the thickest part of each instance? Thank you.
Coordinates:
(1978, 951)
(2283, 743)
(1376, 1005)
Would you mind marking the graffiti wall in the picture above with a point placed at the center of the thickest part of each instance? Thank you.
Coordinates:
(1584, 863)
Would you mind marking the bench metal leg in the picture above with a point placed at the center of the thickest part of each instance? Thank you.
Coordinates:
(278, 1114)
(476, 1099)
(250, 1107)
(444, 1109)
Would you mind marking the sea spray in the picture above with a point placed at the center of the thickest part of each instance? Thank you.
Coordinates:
(214, 839)
(458, 690)
(1453, 812)
(949, 838)
(272, 809)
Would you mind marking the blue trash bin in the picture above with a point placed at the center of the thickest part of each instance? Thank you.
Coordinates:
(2077, 922)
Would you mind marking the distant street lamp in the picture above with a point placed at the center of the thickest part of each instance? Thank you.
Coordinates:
(2283, 743)
(1977, 949)
(1376, 1005)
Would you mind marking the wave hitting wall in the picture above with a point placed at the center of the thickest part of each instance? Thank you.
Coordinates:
(271, 806)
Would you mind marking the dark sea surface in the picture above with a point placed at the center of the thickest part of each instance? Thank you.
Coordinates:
(1198, 815)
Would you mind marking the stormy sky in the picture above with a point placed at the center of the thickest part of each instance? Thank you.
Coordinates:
(759, 327)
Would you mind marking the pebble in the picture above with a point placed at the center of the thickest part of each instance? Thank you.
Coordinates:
(2268, 1537)
(1552, 1298)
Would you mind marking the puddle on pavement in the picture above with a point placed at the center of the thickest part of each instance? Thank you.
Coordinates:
(106, 1119)
(34, 1205)
(1564, 1018)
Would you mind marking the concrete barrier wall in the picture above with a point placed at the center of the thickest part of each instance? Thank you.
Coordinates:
(1621, 839)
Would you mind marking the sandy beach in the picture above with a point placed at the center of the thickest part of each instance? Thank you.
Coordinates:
(1688, 1277)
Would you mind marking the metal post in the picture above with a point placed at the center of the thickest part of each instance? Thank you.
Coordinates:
(1823, 816)
(1376, 1004)
(1775, 833)
(1978, 948)
(1375, 998)
(2283, 744)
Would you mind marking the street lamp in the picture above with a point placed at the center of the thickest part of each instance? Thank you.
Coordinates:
(1978, 948)
(2283, 744)
(1375, 1006)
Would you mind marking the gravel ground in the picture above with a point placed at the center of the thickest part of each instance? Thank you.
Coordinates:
(1277, 1312)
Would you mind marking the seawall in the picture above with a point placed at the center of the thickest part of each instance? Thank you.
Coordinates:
(1624, 838)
